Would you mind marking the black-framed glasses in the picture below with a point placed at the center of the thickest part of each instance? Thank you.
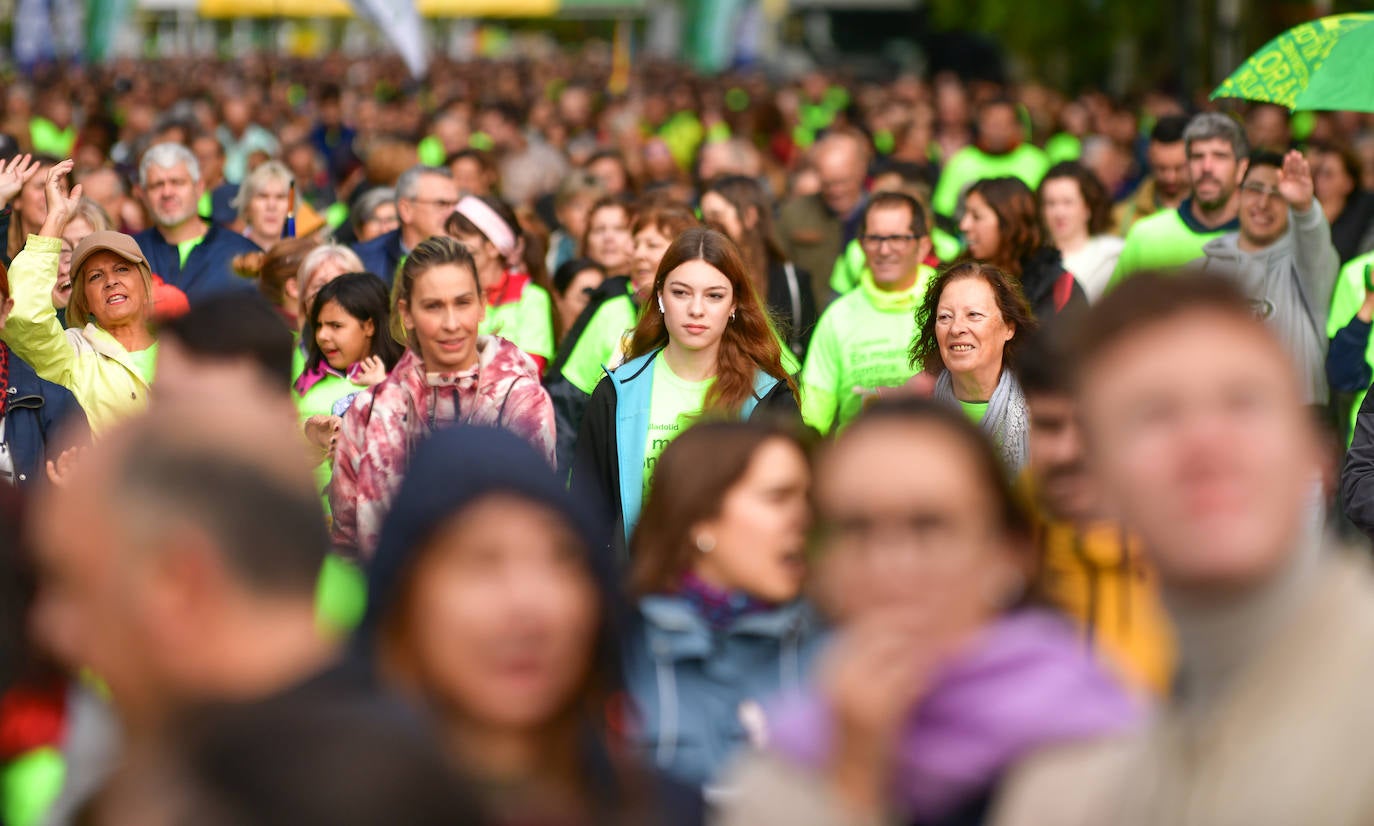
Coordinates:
(877, 241)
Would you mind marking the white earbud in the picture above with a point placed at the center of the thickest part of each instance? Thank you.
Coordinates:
(660, 305)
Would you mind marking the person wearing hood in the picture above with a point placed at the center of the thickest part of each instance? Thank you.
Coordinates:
(107, 356)
(1002, 226)
(1283, 259)
(703, 348)
(449, 374)
(491, 609)
(942, 673)
(719, 566)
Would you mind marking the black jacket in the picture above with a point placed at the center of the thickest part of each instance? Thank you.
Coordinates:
(1357, 479)
(596, 460)
(1050, 289)
(792, 304)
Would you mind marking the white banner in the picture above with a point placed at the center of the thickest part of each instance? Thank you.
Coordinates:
(399, 20)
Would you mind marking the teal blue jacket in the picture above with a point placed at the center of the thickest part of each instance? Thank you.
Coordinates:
(609, 457)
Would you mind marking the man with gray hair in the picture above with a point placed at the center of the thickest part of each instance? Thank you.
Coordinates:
(182, 248)
(1217, 154)
(425, 196)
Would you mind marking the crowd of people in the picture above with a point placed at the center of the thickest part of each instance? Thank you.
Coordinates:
(502, 449)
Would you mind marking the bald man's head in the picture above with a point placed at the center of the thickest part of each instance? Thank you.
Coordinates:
(841, 159)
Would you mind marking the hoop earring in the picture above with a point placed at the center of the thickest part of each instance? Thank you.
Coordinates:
(732, 315)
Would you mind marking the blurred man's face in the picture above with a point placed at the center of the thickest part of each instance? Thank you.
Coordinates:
(1058, 462)
(1169, 166)
(210, 156)
(1200, 442)
(998, 129)
(840, 165)
(1263, 211)
(1214, 171)
(172, 194)
(424, 215)
(94, 592)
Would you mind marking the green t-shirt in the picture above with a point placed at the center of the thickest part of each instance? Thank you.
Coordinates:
(185, 247)
(431, 151)
(1160, 241)
(861, 343)
(673, 405)
(974, 410)
(1345, 303)
(602, 343)
(971, 164)
(47, 139)
(145, 363)
(1063, 147)
(527, 323)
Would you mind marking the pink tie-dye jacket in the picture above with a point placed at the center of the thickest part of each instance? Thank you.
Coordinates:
(382, 427)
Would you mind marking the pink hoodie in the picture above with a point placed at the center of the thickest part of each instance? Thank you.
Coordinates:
(385, 423)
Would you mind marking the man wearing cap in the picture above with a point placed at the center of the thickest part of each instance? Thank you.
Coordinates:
(183, 249)
(107, 356)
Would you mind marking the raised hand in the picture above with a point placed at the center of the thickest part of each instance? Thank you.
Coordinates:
(13, 175)
(61, 202)
(371, 371)
(323, 433)
(1295, 181)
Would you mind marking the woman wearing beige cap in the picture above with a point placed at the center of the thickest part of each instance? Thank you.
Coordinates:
(106, 357)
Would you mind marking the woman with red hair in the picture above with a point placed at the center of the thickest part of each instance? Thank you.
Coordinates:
(703, 348)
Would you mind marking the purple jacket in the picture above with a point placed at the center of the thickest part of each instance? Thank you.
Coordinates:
(1024, 683)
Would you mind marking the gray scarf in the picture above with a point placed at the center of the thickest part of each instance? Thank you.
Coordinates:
(1007, 423)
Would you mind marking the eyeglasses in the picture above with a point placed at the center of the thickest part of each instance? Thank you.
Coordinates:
(443, 204)
(1259, 190)
(876, 241)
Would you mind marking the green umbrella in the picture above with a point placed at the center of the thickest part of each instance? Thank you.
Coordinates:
(1322, 64)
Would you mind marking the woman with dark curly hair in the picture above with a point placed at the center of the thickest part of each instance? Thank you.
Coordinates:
(1002, 227)
(973, 320)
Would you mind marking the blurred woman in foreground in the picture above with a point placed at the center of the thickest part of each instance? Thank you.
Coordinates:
(943, 674)
(487, 608)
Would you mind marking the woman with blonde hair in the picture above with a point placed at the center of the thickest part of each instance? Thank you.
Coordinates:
(263, 202)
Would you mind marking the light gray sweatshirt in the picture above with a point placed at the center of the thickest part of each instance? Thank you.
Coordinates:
(1291, 282)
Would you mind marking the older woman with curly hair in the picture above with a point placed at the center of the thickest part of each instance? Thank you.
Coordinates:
(973, 320)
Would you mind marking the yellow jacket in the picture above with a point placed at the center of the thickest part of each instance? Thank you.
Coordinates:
(1098, 575)
(89, 362)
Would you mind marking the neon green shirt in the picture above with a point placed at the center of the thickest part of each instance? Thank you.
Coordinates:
(185, 247)
(602, 343)
(973, 164)
(29, 785)
(47, 139)
(860, 344)
(673, 404)
(431, 151)
(1345, 303)
(145, 362)
(526, 322)
(1161, 241)
(1063, 147)
(974, 410)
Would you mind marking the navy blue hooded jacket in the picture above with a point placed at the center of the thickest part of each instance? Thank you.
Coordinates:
(458, 467)
(36, 411)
